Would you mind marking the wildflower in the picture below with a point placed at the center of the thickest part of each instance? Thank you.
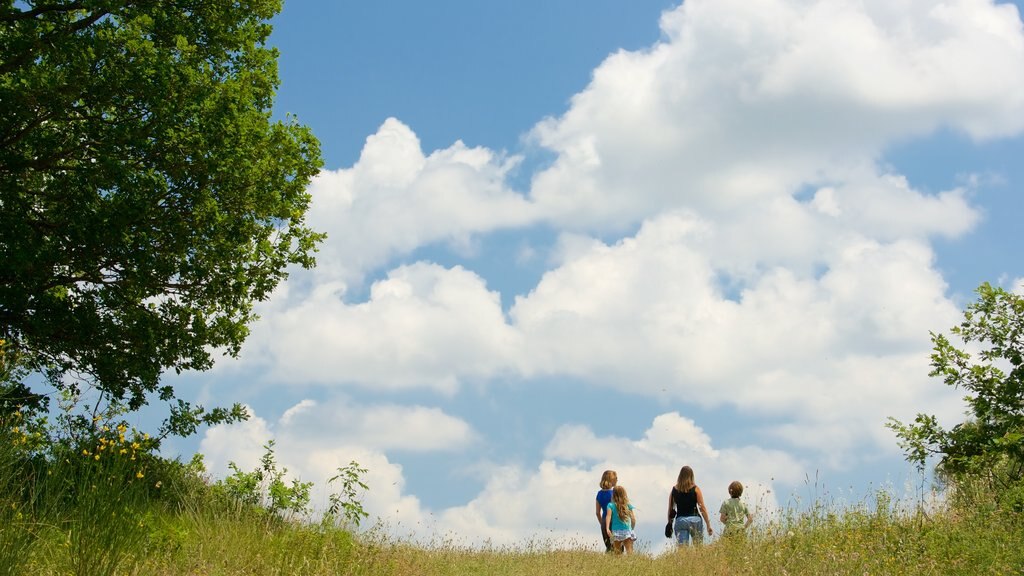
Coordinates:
(139, 474)
(97, 457)
(85, 452)
(158, 484)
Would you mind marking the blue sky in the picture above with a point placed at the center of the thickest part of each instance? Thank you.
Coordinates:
(566, 236)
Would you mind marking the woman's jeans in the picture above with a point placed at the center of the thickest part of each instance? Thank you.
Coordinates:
(687, 527)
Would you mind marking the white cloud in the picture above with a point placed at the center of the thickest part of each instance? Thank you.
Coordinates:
(334, 428)
(551, 504)
(554, 502)
(396, 199)
(422, 326)
(728, 235)
(333, 434)
(752, 100)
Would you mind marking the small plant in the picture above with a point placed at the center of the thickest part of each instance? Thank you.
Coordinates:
(266, 488)
(347, 503)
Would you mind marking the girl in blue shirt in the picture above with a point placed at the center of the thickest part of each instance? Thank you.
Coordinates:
(608, 481)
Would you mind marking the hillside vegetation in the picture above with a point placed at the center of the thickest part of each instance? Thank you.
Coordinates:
(112, 508)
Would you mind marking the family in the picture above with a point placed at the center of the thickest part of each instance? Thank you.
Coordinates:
(687, 515)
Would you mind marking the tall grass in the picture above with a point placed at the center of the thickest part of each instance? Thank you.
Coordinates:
(869, 539)
(85, 515)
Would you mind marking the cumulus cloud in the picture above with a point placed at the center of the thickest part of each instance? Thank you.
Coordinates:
(551, 503)
(422, 326)
(728, 235)
(396, 199)
(745, 101)
(330, 435)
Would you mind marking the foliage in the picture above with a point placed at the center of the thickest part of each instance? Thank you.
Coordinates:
(347, 503)
(83, 499)
(990, 444)
(147, 200)
(265, 487)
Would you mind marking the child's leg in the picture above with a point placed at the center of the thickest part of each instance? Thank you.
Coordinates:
(617, 547)
(628, 543)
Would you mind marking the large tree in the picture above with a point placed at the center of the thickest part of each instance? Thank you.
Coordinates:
(147, 197)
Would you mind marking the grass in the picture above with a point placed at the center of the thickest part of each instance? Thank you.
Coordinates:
(76, 513)
(853, 542)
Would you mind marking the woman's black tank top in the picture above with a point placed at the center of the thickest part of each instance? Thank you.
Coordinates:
(686, 502)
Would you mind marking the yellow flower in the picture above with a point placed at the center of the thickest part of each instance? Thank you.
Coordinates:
(85, 452)
(97, 457)
(158, 483)
(123, 451)
(139, 474)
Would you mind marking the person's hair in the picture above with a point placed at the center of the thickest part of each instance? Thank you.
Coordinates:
(735, 489)
(609, 479)
(685, 481)
(621, 500)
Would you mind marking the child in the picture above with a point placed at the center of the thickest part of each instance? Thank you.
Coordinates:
(733, 512)
(620, 521)
(608, 481)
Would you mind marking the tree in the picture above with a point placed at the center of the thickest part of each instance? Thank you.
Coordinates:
(147, 198)
(991, 442)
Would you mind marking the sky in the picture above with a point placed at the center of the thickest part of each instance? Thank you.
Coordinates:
(566, 236)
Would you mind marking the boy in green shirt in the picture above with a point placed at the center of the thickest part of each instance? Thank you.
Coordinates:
(734, 513)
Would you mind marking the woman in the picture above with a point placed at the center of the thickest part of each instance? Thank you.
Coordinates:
(686, 509)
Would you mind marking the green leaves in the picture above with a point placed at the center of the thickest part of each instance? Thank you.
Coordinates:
(147, 200)
(347, 503)
(991, 441)
(265, 487)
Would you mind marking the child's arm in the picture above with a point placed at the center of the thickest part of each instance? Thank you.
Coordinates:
(632, 518)
(597, 511)
(608, 521)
